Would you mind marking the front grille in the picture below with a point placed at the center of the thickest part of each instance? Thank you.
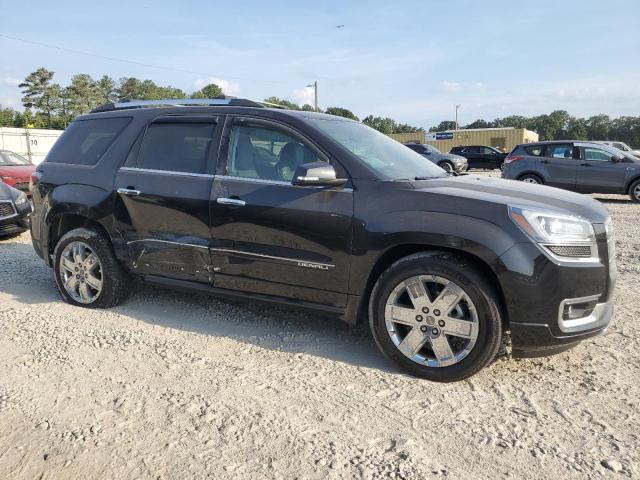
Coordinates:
(6, 209)
(22, 186)
(571, 250)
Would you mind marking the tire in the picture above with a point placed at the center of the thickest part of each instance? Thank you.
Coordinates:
(634, 191)
(531, 178)
(104, 267)
(477, 315)
(446, 166)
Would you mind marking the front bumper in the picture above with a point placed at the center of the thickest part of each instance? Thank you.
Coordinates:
(538, 290)
(16, 223)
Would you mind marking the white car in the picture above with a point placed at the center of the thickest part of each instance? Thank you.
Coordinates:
(621, 146)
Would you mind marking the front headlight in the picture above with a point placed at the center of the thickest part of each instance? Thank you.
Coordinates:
(565, 237)
(21, 200)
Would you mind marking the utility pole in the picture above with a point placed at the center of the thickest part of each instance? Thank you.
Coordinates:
(457, 107)
(315, 93)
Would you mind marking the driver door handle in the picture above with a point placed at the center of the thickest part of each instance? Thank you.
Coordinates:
(129, 191)
(236, 202)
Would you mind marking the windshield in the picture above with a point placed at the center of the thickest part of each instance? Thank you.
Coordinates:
(432, 149)
(390, 159)
(10, 159)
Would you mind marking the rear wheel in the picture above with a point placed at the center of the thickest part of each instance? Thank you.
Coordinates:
(86, 271)
(446, 166)
(634, 191)
(436, 316)
(531, 178)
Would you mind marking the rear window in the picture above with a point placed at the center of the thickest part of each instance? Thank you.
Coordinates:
(535, 150)
(85, 141)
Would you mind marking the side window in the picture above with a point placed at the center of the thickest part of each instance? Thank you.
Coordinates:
(535, 151)
(595, 154)
(85, 141)
(265, 152)
(488, 151)
(621, 146)
(176, 147)
(560, 150)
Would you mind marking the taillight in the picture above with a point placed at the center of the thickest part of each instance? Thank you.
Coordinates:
(34, 179)
(513, 158)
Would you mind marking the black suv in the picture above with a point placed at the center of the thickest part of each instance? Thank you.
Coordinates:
(480, 156)
(321, 212)
(585, 167)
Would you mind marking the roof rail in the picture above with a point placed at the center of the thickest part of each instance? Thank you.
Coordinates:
(176, 102)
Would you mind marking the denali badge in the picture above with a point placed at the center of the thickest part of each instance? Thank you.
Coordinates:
(317, 266)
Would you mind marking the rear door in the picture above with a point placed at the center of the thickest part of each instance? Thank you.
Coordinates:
(163, 195)
(473, 156)
(558, 165)
(597, 172)
(269, 236)
(489, 157)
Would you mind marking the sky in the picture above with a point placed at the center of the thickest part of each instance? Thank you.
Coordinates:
(412, 61)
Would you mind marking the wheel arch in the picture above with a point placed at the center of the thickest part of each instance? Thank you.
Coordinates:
(630, 182)
(397, 252)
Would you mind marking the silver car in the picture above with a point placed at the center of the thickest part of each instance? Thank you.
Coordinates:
(447, 161)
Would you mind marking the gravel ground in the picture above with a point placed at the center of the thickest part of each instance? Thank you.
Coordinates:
(176, 385)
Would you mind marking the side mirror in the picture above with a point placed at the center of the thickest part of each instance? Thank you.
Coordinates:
(615, 159)
(317, 174)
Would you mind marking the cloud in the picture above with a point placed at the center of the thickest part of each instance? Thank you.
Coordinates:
(304, 95)
(451, 87)
(229, 88)
(10, 81)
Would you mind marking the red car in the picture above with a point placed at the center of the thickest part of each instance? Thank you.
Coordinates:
(15, 170)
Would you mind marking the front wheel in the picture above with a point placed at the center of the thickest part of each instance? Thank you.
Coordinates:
(446, 166)
(634, 191)
(531, 178)
(436, 316)
(86, 271)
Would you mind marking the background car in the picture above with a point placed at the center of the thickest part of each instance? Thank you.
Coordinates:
(15, 170)
(585, 167)
(621, 146)
(480, 156)
(447, 161)
(15, 209)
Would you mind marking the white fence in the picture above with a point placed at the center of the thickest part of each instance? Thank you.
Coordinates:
(31, 143)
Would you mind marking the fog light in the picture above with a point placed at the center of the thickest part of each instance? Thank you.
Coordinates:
(578, 310)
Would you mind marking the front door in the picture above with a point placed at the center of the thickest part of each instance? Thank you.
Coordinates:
(163, 196)
(558, 165)
(598, 173)
(268, 236)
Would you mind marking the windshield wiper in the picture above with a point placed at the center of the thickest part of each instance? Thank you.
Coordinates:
(429, 178)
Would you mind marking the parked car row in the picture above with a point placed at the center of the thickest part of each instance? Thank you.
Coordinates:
(316, 211)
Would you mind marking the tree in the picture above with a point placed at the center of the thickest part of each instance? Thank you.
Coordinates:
(106, 90)
(84, 95)
(341, 112)
(308, 108)
(513, 121)
(478, 124)
(445, 125)
(132, 88)
(384, 125)
(37, 92)
(209, 91)
(598, 127)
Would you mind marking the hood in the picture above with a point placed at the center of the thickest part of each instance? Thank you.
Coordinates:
(6, 192)
(450, 156)
(491, 190)
(17, 171)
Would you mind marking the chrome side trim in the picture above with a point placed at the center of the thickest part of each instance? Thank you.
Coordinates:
(299, 262)
(166, 172)
(157, 240)
(278, 182)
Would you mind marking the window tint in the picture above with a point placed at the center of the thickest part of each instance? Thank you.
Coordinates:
(596, 154)
(488, 151)
(472, 150)
(85, 141)
(266, 152)
(621, 146)
(535, 151)
(176, 147)
(416, 148)
(562, 150)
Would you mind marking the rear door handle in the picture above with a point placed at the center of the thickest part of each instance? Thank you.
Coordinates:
(129, 191)
(585, 164)
(231, 201)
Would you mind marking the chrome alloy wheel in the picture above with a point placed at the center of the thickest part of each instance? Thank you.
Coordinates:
(636, 192)
(431, 320)
(81, 272)
(530, 180)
